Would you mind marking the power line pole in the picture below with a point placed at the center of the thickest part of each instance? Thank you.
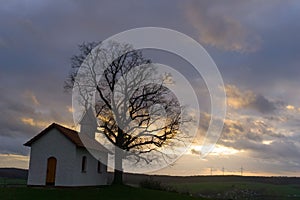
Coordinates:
(211, 170)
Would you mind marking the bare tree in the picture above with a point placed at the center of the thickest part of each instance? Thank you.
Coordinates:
(136, 112)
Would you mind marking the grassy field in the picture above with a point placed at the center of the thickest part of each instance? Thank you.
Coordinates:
(12, 182)
(109, 193)
(240, 190)
(213, 188)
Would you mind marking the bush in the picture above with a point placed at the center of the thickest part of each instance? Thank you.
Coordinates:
(155, 185)
(151, 184)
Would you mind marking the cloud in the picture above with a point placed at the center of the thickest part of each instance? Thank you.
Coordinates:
(194, 151)
(28, 121)
(11, 145)
(23, 116)
(238, 99)
(36, 123)
(250, 128)
(271, 139)
(15, 160)
(279, 151)
(290, 107)
(219, 29)
(262, 104)
(232, 129)
(31, 96)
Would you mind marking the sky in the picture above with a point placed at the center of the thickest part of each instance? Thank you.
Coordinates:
(255, 44)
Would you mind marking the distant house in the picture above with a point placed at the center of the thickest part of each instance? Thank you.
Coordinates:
(59, 157)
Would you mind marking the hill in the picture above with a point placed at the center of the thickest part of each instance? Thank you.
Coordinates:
(13, 173)
(209, 187)
(278, 180)
(109, 192)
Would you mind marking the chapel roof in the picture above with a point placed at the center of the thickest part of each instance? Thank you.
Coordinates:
(80, 140)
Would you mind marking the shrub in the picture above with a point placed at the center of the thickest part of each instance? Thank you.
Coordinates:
(155, 185)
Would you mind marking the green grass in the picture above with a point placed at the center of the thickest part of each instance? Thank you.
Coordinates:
(209, 189)
(7, 181)
(240, 189)
(109, 192)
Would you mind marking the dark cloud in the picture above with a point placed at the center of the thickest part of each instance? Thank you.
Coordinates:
(250, 128)
(245, 99)
(262, 104)
(23, 116)
(220, 28)
(10, 145)
(267, 139)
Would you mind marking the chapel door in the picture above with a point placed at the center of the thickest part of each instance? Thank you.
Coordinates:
(51, 170)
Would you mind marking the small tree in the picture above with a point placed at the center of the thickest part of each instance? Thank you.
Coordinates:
(136, 112)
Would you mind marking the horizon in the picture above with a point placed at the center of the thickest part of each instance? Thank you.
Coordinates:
(255, 46)
(183, 176)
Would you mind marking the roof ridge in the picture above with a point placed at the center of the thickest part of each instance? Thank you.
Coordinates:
(61, 126)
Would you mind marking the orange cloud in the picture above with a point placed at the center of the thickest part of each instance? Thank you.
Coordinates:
(32, 122)
(28, 121)
(290, 107)
(238, 99)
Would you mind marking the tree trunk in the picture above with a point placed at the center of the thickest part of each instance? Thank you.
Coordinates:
(118, 177)
(118, 172)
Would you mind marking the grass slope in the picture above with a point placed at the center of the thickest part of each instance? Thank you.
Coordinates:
(109, 192)
(12, 181)
(241, 190)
